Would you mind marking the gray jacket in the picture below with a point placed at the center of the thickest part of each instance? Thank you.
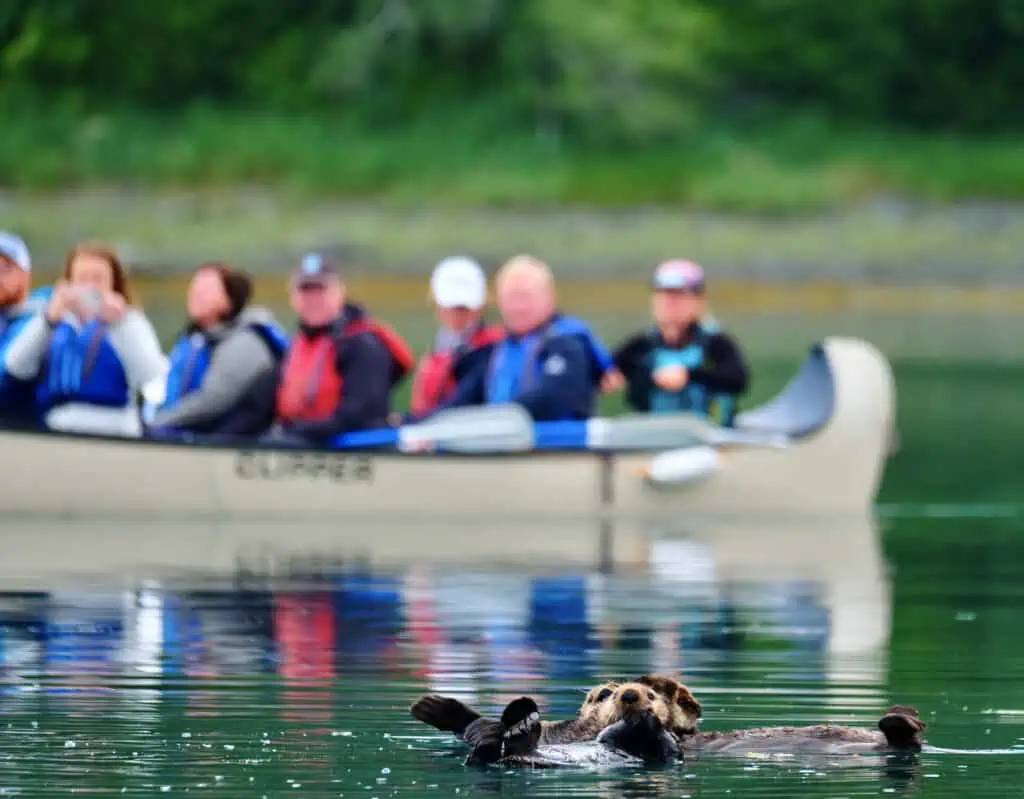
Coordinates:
(241, 357)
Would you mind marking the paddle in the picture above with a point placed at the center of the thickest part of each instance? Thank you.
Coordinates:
(648, 432)
(488, 428)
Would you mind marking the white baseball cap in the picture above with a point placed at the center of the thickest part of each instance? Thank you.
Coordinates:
(14, 249)
(459, 282)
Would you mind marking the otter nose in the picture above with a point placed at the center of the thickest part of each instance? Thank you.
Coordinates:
(630, 696)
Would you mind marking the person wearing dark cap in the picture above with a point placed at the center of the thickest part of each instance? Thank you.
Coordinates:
(684, 362)
(227, 348)
(342, 364)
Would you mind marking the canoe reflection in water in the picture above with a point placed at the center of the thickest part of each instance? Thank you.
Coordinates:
(685, 600)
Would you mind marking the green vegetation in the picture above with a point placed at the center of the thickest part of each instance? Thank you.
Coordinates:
(750, 105)
(456, 161)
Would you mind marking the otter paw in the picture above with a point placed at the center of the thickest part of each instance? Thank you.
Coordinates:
(901, 726)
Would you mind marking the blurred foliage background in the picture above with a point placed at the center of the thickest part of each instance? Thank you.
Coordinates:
(776, 105)
(625, 71)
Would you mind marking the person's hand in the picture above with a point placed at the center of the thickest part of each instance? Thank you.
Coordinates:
(62, 300)
(112, 307)
(671, 378)
(417, 445)
(612, 381)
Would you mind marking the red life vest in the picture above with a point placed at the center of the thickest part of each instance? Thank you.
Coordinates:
(434, 382)
(310, 389)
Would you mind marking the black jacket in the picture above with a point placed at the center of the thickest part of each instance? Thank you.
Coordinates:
(724, 369)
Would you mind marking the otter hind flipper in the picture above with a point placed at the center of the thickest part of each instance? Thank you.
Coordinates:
(486, 738)
(515, 735)
(902, 727)
(444, 713)
(522, 727)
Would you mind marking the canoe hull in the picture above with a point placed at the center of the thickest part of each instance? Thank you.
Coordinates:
(836, 468)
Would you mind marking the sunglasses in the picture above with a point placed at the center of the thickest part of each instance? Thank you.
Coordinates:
(309, 287)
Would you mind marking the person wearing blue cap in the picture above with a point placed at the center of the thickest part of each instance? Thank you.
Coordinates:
(684, 362)
(18, 304)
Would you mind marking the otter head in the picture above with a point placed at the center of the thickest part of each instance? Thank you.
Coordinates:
(596, 700)
(683, 708)
(638, 720)
(632, 701)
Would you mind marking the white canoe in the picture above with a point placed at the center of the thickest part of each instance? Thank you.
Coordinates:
(838, 409)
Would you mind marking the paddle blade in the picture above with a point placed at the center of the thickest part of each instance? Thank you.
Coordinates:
(647, 431)
(489, 428)
(671, 431)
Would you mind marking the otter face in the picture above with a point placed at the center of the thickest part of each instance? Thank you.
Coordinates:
(597, 698)
(634, 701)
(684, 709)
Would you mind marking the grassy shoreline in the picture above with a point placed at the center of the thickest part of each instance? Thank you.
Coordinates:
(795, 202)
(887, 242)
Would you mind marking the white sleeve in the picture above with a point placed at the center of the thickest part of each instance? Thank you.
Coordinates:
(135, 341)
(24, 356)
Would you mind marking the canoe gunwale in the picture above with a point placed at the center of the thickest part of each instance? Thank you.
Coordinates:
(802, 408)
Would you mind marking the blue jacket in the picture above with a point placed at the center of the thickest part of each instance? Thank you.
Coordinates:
(18, 397)
(82, 366)
(553, 372)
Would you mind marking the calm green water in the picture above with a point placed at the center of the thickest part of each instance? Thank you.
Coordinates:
(268, 688)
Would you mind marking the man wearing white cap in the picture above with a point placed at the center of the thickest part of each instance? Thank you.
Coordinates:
(459, 290)
(17, 306)
(684, 362)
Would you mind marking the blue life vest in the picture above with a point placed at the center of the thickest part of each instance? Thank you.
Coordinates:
(560, 625)
(693, 398)
(515, 368)
(18, 397)
(191, 354)
(82, 366)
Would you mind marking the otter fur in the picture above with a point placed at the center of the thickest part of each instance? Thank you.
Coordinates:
(899, 731)
(450, 715)
(618, 724)
(635, 732)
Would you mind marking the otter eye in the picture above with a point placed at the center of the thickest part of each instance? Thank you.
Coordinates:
(604, 695)
(650, 694)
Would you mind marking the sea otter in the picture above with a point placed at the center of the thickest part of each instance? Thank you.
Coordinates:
(522, 733)
(899, 730)
(627, 724)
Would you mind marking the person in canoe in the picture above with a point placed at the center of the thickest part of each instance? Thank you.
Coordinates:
(550, 363)
(341, 366)
(684, 362)
(91, 350)
(18, 304)
(459, 290)
(227, 348)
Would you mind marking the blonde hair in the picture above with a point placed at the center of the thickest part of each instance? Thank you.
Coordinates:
(524, 265)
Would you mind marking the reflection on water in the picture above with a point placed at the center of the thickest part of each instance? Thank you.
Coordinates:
(254, 685)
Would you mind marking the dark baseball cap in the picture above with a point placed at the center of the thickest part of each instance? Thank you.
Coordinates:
(315, 269)
(678, 275)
